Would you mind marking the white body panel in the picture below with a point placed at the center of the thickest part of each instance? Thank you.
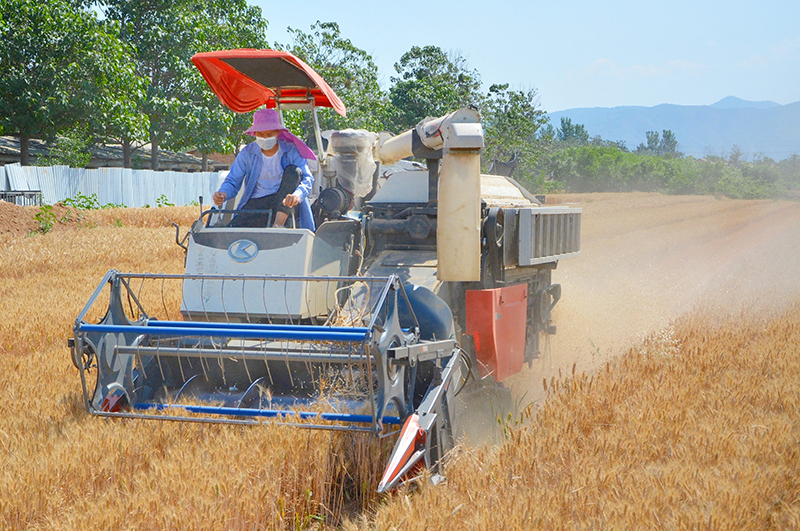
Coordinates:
(258, 252)
(404, 187)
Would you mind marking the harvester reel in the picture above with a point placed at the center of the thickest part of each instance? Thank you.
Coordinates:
(114, 370)
(83, 360)
(391, 388)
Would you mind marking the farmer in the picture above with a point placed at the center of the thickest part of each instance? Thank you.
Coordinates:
(275, 175)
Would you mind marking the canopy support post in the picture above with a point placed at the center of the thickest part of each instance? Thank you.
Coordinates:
(320, 151)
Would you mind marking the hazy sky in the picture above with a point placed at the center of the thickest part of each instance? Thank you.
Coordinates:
(580, 53)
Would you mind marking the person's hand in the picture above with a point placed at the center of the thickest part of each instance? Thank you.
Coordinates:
(291, 200)
(219, 198)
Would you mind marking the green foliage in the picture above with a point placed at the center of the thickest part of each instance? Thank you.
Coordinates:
(83, 202)
(789, 170)
(598, 141)
(71, 149)
(547, 134)
(433, 83)
(572, 134)
(181, 110)
(603, 166)
(128, 78)
(540, 183)
(60, 68)
(162, 201)
(350, 72)
(207, 125)
(88, 202)
(667, 145)
(46, 218)
(511, 121)
(610, 169)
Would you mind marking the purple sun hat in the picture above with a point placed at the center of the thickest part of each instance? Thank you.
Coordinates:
(270, 120)
(266, 120)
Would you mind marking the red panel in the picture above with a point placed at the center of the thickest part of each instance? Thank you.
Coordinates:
(497, 319)
(242, 94)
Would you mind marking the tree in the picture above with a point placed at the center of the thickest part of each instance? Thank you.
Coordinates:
(572, 134)
(652, 141)
(790, 172)
(666, 145)
(207, 126)
(511, 121)
(597, 140)
(735, 156)
(350, 72)
(431, 82)
(121, 119)
(71, 149)
(59, 68)
(165, 35)
(547, 134)
(205, 123)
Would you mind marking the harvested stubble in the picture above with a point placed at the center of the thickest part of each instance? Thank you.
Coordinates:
(697, 427)
(62, 469)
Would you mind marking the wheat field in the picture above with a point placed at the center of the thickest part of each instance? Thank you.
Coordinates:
(680, 416)
(697, 427)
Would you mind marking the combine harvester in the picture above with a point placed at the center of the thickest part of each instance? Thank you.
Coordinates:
(414, 288)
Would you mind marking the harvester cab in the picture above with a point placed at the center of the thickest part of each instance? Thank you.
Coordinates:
(417, 283)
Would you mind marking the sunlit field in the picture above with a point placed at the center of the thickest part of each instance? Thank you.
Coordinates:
(688, 417)
(697, 427)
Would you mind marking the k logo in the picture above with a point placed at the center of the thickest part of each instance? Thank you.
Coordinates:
(242, 251)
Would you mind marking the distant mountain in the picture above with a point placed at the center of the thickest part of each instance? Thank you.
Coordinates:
(732, 102)
(762, 127)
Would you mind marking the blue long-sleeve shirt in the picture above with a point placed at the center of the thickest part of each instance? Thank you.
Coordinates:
(247, 167)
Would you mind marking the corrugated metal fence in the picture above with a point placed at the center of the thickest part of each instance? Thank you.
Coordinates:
(122, 186)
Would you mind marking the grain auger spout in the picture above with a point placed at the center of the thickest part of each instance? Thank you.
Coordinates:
(417, 292)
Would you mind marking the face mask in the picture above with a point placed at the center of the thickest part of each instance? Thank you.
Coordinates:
(267, 143)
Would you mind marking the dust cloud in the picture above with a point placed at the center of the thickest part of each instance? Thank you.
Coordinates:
(646, 259)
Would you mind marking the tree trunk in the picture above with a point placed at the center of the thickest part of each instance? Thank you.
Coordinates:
(126, 154)
(24, 153)
(204, 164)
(153, 151)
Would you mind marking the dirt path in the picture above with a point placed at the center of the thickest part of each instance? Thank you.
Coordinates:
(648, 258)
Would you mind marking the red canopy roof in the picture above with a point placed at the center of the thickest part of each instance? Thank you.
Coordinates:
(246, 79)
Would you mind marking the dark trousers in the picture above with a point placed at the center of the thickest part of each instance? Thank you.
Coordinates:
(273, 202)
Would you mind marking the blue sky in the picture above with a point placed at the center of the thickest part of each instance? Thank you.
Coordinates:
(583, 54)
